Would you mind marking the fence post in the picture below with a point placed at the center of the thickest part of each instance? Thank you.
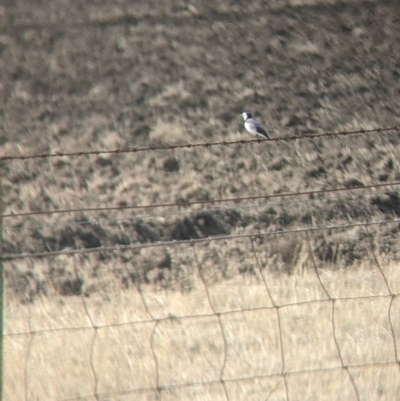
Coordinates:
(1, 290)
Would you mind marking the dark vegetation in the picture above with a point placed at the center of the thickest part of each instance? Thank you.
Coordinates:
(145, 72)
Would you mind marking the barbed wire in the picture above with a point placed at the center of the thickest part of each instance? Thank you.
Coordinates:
(196, 145)
(112, 248)
(205, 202)
(120, 220)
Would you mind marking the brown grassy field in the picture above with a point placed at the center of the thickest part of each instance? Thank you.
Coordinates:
(274, 317)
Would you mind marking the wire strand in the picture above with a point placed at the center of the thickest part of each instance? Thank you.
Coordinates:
(196, 145)
(203, 202)
(120, 220)
(25, 255)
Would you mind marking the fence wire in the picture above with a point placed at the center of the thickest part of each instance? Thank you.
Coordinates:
(121, 220)
(230, 325)
(197, 145)
(204, 202)
(230, 341)
(121, 248)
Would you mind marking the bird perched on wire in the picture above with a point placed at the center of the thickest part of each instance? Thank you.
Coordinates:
(253, 126)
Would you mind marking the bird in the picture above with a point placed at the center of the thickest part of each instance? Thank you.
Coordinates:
(253, 126)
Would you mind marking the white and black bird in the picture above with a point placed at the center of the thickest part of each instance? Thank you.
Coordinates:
(253, 126)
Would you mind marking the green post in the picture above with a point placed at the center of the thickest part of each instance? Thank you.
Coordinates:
(1, 290)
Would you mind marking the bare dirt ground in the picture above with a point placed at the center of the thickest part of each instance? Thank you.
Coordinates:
(103, 76)
(106, 75)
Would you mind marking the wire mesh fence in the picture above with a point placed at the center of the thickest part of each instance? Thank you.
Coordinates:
(256, 316)
(309, 312)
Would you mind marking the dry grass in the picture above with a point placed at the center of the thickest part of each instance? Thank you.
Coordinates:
(215, 317)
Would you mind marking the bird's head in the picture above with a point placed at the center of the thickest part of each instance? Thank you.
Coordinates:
(246, 115)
